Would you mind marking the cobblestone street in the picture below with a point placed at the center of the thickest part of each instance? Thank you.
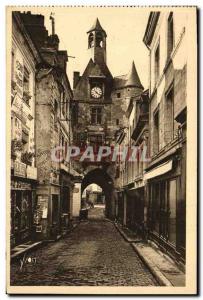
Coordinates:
(92, 254)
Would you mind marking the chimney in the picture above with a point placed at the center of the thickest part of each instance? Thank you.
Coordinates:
(76, 78)
(62, 59)
(36, 28)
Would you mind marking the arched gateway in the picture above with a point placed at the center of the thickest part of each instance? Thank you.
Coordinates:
(102, 178)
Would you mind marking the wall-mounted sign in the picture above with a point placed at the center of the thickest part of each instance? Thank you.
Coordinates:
(42, 208)
(31, 172)
(39, 228)
(15, 184)
(19, 169)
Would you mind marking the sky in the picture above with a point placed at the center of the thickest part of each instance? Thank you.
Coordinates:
(125, 29)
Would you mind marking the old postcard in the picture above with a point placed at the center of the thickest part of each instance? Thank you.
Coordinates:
(102, 150)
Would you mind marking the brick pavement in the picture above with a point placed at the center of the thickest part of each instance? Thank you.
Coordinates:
(94, 254)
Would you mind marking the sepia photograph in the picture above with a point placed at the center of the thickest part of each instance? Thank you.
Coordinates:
(102, 150)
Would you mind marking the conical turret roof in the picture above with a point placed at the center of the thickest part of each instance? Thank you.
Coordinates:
(96, 27)
(133, 79)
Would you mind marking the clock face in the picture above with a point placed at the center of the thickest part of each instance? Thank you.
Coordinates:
(96, 92)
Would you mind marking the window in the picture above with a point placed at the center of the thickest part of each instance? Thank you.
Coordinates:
(99, 39)
(25, 211)
(26, 80)
(156, 133)
(12, 65)
(62, 141)
(118, 95)
(96, 115)
(96, 141)
(169, 119)
(66, 147)
(63, 104)
(91, 40)
(55, 111)
(157, 63)
(170, 36)
(117, 122)
(26, 87)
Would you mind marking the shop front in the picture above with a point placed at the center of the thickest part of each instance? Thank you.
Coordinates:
(66, 194)
(135, 209)
(23, 204)
(165, 208)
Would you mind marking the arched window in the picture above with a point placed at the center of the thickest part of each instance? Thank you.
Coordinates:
(99, 40)
(91, 40)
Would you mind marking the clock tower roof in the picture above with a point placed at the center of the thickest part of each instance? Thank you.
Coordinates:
(96, 27)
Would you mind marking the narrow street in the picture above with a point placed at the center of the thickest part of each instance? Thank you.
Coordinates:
(92, 254)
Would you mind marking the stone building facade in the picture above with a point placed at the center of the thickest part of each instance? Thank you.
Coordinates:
(131, 210)
(167, 37)
(41, 121)
(53, 128)
(24, 57)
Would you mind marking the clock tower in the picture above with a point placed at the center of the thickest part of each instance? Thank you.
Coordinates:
(99, 111)
(97, 43)
(92, 93)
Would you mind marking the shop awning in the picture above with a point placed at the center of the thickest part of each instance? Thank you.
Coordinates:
(160, 170)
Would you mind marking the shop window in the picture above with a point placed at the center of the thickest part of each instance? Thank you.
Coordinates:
(172, 210)
(170, 36)
(157, 63)
(163, 227)
(25, 214)
(163, 209)
(96, 115)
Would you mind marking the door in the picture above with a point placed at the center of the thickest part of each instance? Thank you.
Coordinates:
(172, 194)
(55, 209)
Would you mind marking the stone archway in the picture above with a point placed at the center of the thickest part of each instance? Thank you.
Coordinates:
(100, 177)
